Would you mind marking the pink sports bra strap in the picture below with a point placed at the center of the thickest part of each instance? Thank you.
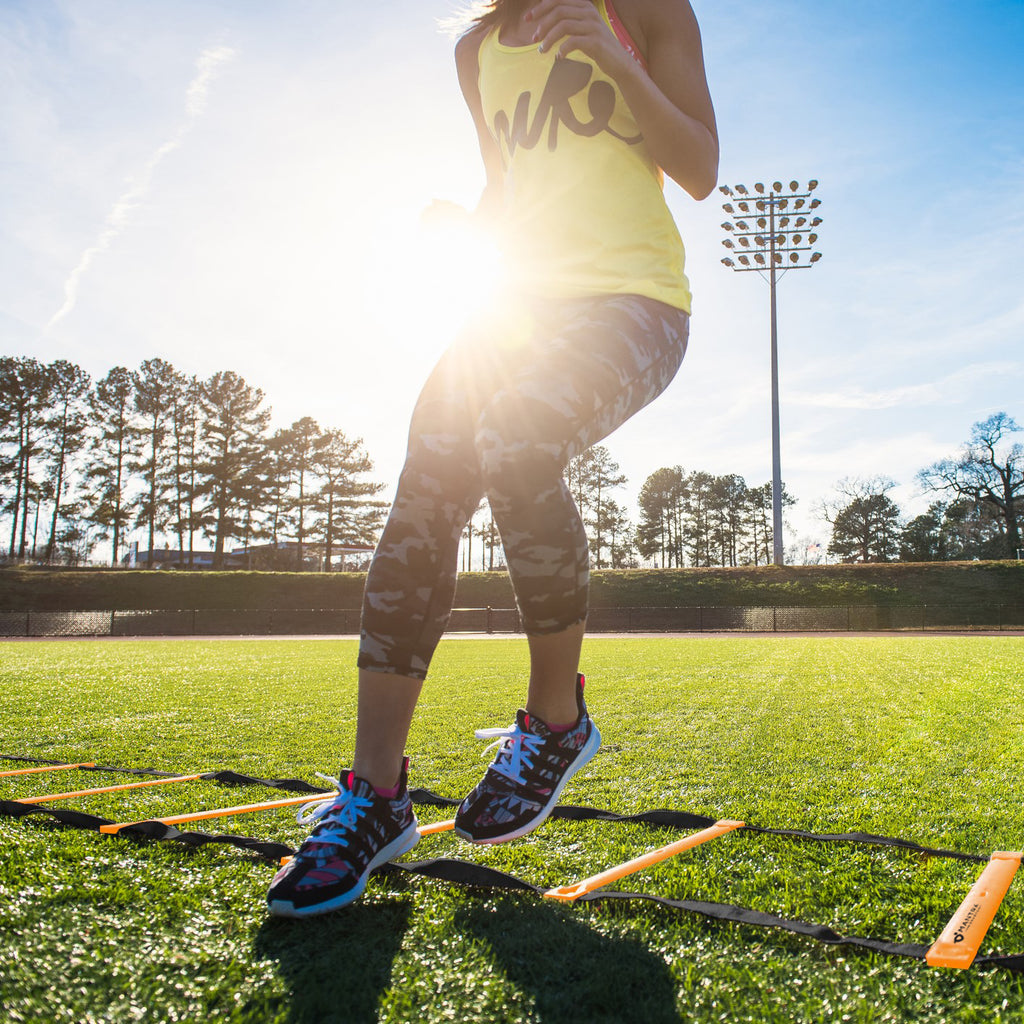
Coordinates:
(622, 34)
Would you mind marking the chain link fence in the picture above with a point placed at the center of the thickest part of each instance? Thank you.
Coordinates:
(327, 621)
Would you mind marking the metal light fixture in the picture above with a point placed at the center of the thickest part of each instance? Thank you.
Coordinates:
(783, 247)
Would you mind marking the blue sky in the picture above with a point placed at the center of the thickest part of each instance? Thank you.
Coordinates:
(237, 184)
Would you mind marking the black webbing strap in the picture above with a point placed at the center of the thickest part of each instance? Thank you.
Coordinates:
(459, 872)
(864, 837)
(145, 829)
(685, 821)
(660, 818)
(229, 778)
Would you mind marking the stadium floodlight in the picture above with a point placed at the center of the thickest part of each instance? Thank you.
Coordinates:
(784, 246)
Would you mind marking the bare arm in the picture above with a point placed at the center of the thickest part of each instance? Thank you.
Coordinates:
(468, 65)
(671, 103)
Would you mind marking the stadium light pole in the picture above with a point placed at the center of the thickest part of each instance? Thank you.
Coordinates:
(772, 231)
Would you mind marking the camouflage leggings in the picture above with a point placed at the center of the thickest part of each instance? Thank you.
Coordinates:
(504, 421)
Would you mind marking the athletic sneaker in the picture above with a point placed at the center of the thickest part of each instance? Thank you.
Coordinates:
(358, 830)
(527, 776)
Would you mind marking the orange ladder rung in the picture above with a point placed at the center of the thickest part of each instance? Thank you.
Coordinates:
(961, 939)
(105, 789)
(48, 768)
(220, 812)
(569, 893)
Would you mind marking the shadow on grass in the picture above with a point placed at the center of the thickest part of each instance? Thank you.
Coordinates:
(572, 971)
(336, 966)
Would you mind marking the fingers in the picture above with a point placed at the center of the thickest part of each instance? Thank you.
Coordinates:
(551, 18)
(572, 25)
(567, 36)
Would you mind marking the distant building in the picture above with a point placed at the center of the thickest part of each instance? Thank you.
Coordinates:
(283, 555)
(174, 558)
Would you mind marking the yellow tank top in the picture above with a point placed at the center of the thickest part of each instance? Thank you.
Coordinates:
(584, 209)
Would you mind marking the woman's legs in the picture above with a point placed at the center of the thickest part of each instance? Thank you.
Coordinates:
(386, 705)
(507, 423)
(554, 663)
(411, 582)
(592, 368)
(597, 362)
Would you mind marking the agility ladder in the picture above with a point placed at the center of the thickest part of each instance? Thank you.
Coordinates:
(957, 946)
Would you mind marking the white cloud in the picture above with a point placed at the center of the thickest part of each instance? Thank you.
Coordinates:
(207, 65)
(943, 391)
(195, 103)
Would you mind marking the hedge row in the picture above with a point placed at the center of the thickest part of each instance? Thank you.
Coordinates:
(891, 585)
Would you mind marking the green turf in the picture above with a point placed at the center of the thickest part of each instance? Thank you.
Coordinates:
(910, 736)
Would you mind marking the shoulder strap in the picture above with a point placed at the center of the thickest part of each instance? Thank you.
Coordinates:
(623, 36)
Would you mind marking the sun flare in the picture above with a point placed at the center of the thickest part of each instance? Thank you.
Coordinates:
(455, 261)
(450, 271)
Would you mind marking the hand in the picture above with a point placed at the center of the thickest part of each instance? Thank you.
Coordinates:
(443, 213)
(577, 25)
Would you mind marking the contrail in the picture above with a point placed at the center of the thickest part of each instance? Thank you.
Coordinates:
(195, 103)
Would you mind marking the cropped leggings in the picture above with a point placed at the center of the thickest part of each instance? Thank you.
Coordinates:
(503, 421)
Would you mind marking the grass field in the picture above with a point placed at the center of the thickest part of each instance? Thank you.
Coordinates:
(918, 737)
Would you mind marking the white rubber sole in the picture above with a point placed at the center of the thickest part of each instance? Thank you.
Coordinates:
(587, 751)
(402, 844)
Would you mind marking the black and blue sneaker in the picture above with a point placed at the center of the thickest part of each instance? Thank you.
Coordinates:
(358, 830)
(527, 776)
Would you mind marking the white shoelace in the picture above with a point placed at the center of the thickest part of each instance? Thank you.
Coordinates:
(346, 808)
(516, 750)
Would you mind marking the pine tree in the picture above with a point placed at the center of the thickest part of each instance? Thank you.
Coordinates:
(67, 434)
(25, 386)
(590, 477)
(300, 443)
(234, 425)
(343, 503)
(115, 445)
(660, 533)
(185, 454)
(157, 387)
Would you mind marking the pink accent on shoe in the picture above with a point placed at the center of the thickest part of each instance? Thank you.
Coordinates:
(563, 728)
(388, 794)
